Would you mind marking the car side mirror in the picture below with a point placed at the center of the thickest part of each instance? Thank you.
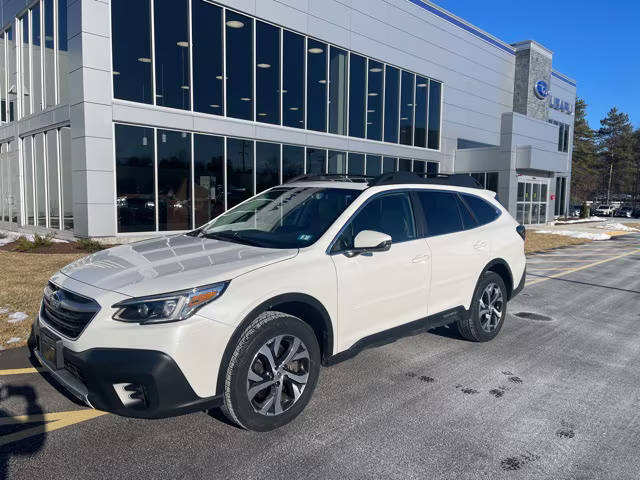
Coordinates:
(370, 241)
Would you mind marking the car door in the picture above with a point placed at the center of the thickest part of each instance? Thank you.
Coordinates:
(459, 249)
(380, 290)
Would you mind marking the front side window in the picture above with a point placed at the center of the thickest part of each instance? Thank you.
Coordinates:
(283, 217)
(441, 212)
(389, 213)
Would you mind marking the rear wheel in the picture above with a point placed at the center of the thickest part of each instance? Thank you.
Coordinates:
(272, 373)
(488, 309)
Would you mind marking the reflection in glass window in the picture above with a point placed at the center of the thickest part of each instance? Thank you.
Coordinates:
(267, 73)
(406, 108)
(3, 82)
(391, 104)
(435, 92)
(63, 58)
(316, 85)
(49, 57)
(292, 162)
(356, 163)
(174, 180)
(374, 101)
(293, 79)
(131, 48)
(357, 95)
(374, 165)
(404, 165)
(26, 60)
(52, 175)
(422, 87)
(419, 166)
(207, 58)
(208, 175)
(239, 30)
(433, 168)
(239, 170)
(27, 159)
(39, 166)
(65, 178)
(267, 165)
(135, 198)
(389, 164)
(12, 72)
(337, 162)
(316, 161)
(338, 91)
(36, 66)
(172, 53)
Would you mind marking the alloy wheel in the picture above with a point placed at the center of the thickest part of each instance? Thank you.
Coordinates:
(491, 305)
(278, 375)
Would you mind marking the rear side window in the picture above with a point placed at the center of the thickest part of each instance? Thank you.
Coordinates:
(441, 212)
(482, 210)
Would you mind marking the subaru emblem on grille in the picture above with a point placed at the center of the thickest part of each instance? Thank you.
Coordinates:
(55, 301)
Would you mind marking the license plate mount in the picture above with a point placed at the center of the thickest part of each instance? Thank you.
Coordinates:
(51, 349)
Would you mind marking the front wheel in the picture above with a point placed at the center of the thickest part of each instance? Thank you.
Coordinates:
(488, 309)
(272, 373)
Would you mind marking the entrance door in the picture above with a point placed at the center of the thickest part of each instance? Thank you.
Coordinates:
(532, 201)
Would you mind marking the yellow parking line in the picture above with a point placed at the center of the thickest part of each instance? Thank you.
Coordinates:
(53, 421)
(20, 371)
(582, 267)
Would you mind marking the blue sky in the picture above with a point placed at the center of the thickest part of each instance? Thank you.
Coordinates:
(595, 42)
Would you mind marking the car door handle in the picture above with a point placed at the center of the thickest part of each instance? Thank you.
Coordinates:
(480, 245)
(420, 258)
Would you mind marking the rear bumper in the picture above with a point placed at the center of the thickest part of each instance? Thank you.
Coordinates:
(127, 382)
(520, 286)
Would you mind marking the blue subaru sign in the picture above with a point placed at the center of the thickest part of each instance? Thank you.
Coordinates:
(541, 89)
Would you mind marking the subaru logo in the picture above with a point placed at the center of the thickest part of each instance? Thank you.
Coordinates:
(55, 301)
(541, 89)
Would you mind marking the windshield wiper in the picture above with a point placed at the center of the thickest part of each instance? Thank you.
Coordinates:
(233, 237)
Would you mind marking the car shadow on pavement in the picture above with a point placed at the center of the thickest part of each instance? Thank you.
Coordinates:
(30, 445)
(447, 331)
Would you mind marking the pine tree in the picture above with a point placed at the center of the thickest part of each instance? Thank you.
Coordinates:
(585, 175)
(615, 151)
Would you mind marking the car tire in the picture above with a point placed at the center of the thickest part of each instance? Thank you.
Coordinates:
(272, 373)
(490, 298)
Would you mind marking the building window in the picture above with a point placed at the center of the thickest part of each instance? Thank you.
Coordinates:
(63, 54)
(239, 31)
(419, 166)
(420, 131)
(36, 56)
(293, 79)
(40, 184)
(435, 93)
(267, 165)
(208, 72)
(135, 179)
(391, 104)
(374, 100)
(267, 73)
(171, 29)
(239, 171)
(338, 91)
(3, 80)
(53, 175)
(292, 162)
(337, 163)
(389, 164)
(433, 168)
(563, 135)
(404, 165)
(488, 180)
(65, 178)
(26, 60)
(356, 163)
(49, 55)
(316, 161)
(174, 180)
(406, 108)
(131, 47)
(374, 165)
(27, 159)
(316, 86)
(208, 174)
(357, 95)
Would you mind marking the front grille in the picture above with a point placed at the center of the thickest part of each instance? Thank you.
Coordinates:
(67, 312)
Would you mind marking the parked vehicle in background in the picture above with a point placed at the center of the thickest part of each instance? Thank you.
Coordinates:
(604, 211)
(574, 210)
(626, 212)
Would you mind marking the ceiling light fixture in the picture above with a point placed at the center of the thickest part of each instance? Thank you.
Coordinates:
(116, 72)
(235, 24)
(293, 109)
(245, 99)
(375, 69)
(183, 44)
(373, 94)
(316, 50)
(264, 65)
(144, 60)
(422, 85)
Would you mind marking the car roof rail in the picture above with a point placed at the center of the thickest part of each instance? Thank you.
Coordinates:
(331, 177)
(399, 178)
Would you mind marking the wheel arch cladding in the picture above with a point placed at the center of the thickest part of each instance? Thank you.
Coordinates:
(500, 267)
(305, 307)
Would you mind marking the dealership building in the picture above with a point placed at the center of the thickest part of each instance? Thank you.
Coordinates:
(123, 119)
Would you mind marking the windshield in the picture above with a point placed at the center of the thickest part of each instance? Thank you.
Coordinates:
(283, 217)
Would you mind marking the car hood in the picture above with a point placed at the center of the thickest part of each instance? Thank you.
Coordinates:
(170, 263)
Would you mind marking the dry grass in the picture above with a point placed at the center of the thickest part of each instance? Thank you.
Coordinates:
(540, 242)
(22, 280)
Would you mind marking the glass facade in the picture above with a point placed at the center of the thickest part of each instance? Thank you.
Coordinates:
(316, 85)
(239, 55)
(267, 165)
(338, 94)
(174, 180)
(208, 169)
(207, 57)
(374, 100)
(267, 73)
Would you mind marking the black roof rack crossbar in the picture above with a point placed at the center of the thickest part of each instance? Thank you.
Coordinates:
(454, 180)
(335, 177)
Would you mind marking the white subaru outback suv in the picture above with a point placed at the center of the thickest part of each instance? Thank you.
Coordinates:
(242, 312)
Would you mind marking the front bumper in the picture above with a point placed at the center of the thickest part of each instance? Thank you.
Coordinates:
(127, 382)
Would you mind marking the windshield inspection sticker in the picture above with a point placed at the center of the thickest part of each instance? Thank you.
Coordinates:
(304, 237)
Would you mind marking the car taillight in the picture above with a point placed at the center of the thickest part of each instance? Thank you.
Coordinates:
(522, 231)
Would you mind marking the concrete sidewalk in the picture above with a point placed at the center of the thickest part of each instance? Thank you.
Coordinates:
(608, 226)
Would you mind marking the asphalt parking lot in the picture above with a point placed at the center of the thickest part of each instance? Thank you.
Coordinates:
(554, 396)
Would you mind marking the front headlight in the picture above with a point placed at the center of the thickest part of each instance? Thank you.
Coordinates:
(169, 307)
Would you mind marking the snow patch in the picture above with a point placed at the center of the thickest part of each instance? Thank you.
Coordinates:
(580, 220)
(13, 236)
(3, 310)
(618, 226)
(17, 317)
(576, 234)
(13, 340)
